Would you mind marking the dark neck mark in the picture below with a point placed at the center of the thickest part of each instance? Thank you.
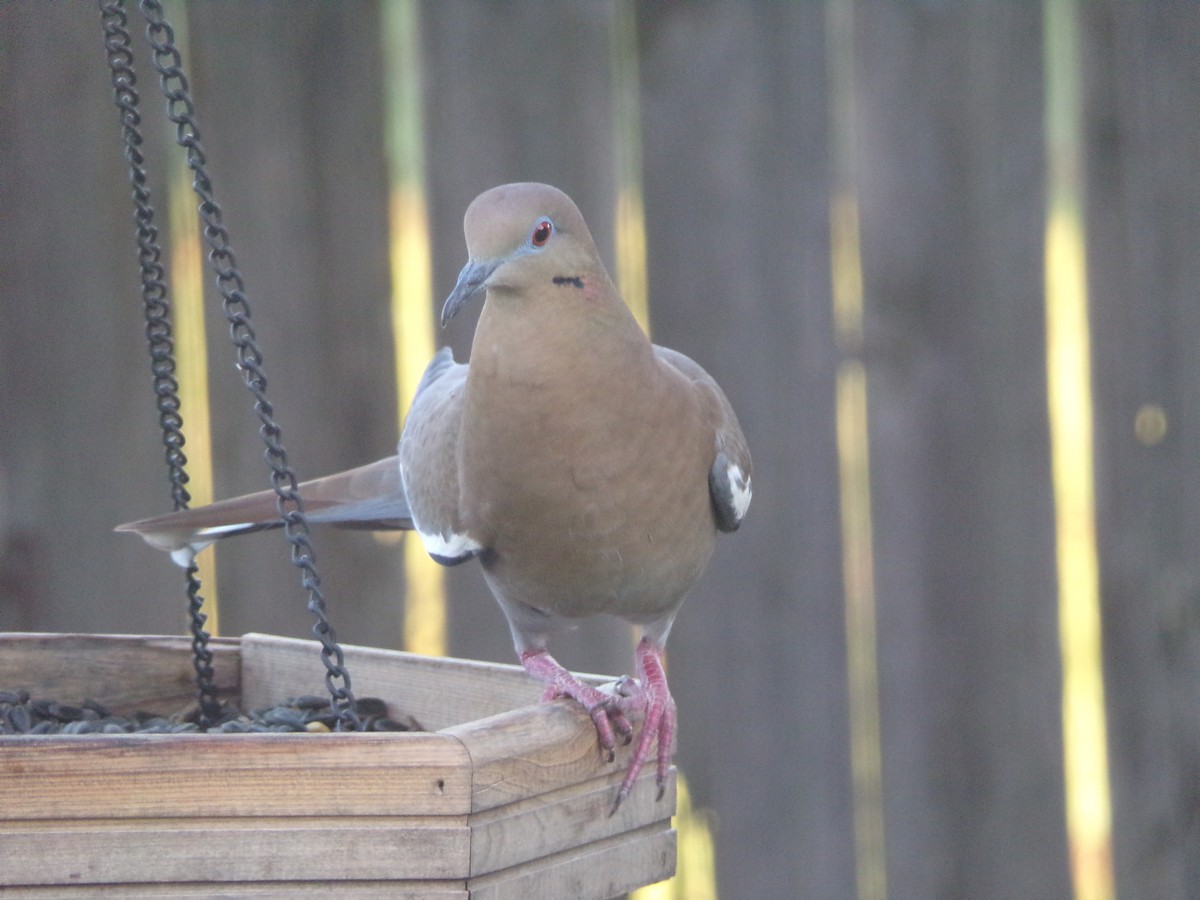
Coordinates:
(573, 280)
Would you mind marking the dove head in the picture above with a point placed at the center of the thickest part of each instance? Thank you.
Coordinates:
(519, 237)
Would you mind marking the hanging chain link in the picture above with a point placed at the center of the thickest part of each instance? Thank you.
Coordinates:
(167, 62)
(157, 309)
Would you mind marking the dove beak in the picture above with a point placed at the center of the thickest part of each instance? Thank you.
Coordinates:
(471, 281)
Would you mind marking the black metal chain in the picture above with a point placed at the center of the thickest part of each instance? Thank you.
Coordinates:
(181, 112)
(157, 309)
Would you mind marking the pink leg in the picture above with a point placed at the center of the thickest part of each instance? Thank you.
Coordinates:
(600, 706)
(654, 696)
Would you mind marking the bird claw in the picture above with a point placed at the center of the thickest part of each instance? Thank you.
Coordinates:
(608, 710)
(651, 695)
(604, 709)
(609, 717)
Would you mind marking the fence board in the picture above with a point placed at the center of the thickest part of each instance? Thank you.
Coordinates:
(78, 430)
(734, 123)
(950, 182)
(1143, 120)
(290, 104)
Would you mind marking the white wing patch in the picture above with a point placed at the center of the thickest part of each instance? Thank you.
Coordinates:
(450, 548)
(739, 490)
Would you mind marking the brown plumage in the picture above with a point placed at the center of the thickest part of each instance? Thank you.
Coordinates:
(588, 469)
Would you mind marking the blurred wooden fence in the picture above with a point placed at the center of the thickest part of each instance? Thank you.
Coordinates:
(740, 161)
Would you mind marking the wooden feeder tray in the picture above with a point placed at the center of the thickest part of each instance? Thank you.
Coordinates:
(502, 797)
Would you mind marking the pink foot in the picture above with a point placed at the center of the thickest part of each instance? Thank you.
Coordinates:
(603, 709)
(652, 695)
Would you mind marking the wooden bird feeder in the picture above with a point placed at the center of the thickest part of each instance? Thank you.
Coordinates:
(502, 797)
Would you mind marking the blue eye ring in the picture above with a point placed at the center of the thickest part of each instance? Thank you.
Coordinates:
(541, 233)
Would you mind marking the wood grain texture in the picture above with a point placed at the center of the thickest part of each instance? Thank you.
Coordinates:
(530, 751)
(132, 776)
(392, 890)
(95, 851)
(597, 872)
(124, 672)
(570, 817)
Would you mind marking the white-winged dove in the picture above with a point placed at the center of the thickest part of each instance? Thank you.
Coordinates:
(587, 469)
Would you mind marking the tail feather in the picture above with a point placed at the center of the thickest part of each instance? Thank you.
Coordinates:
(370, 497)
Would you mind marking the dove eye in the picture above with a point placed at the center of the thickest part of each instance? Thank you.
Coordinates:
(541, 233)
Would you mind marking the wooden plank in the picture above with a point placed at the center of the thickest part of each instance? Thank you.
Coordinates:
(437, 692)
(391, 890)
(736, 145)
(127, 673)
(129, 851)
(596, 871)
(1142, 120)
(949, 173)
(88, 776)
(528, 752)
(282, 136)
(560, 820)
(80, 450)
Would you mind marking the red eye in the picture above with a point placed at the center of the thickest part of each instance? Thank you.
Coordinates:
(541, 233)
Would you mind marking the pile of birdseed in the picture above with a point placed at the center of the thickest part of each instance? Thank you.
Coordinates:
(21, 714)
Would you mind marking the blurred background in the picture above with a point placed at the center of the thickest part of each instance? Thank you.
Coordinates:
(943, 258)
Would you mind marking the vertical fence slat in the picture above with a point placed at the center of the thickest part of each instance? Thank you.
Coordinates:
(734, 120)
(1143, 124)
(297, 154)
(951, 201)
(78, 430)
